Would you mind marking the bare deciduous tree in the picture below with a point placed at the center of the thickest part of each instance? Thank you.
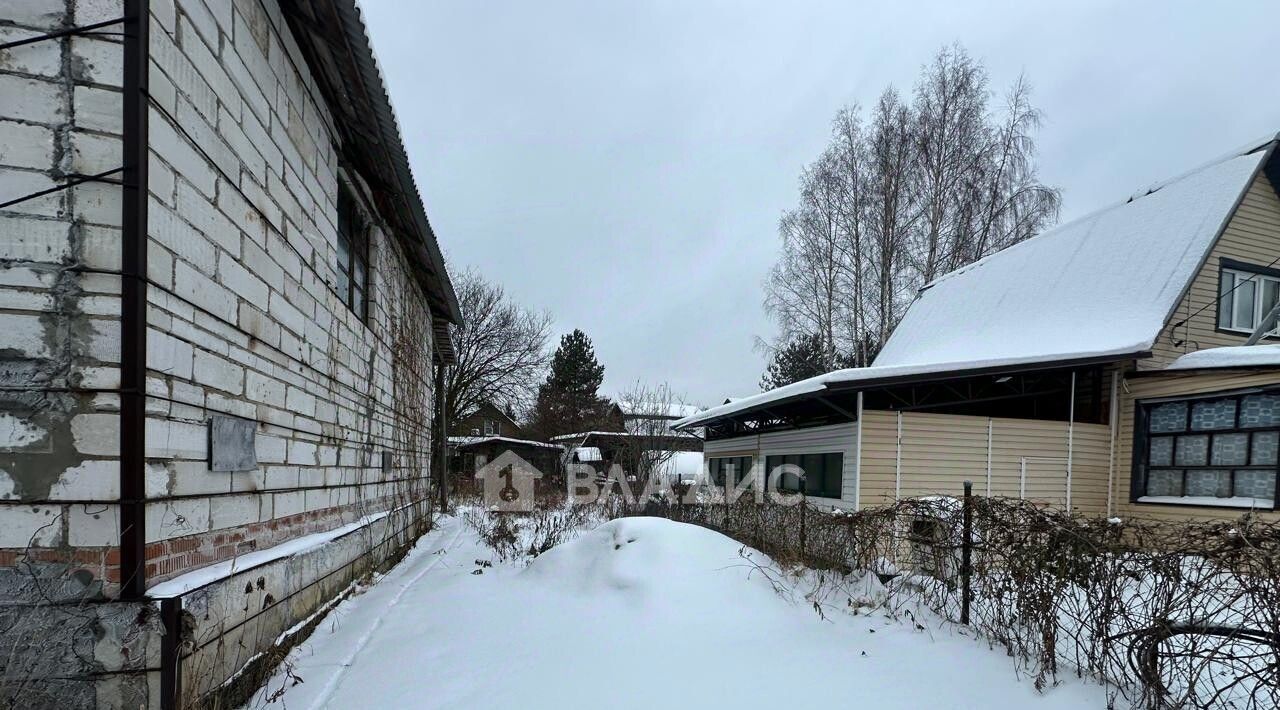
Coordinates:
(650, 410)
(890, 205)
(501, 346)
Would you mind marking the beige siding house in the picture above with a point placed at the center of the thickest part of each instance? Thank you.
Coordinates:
(1100, 367)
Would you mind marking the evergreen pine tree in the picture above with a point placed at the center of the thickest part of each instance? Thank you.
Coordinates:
(798, 360)
(568, 402)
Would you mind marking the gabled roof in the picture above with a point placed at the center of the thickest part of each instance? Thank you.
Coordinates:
(1104, 284)
(1095, 289)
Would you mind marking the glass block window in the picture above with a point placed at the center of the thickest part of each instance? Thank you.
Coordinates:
(1223, 447)
(1208, 483)
(1171, 416)
(1162, 451)
(1165, 482)
(1230, 450)
(1213, 414)
(1191, 450)
(1259, 410)
(1254, 483)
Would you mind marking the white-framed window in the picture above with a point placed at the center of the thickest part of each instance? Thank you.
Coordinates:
(1245, 297)
(490, 428)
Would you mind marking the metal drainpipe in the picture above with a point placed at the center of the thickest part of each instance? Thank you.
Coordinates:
(442, 437)
(133, 303)
(857, 488)
(1115, 433)
(1071, 430)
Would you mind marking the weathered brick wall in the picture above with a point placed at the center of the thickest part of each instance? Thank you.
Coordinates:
(243, 319)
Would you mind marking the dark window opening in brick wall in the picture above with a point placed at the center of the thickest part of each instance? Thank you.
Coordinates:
(353, 254)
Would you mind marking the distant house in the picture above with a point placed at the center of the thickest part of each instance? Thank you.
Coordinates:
(488, 432)
(486, 420)
(1098, 367)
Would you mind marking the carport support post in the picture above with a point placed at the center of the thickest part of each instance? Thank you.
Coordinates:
(966, 553)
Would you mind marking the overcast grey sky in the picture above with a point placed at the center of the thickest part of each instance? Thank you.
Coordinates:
(624, 164)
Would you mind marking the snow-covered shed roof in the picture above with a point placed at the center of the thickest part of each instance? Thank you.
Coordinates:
(584, 435)
(1104, 284)
(473, 440)
(1228, 357)
(876, 375)
(670, 410)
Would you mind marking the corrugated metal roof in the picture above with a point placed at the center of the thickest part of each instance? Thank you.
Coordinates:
(333, 39)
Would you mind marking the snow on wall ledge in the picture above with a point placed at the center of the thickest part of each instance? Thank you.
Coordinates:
(1234, 356)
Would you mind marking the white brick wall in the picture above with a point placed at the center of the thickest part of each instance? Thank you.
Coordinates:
(242, 315)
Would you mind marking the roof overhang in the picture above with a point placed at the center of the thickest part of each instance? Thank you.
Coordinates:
(730, 413)
(331, 36)
(443, 339)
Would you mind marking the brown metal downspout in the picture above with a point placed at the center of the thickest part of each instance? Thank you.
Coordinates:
(133, 303)
(442, 446)
(133, 343)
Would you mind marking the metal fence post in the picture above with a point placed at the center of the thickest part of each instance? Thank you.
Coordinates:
(966, 554)
(804, 503)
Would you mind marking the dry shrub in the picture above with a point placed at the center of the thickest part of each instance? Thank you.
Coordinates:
(1171, 614)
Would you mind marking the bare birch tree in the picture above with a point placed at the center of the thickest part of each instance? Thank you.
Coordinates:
(919, 190)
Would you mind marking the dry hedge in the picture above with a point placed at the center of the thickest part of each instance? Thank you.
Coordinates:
(1170, 614)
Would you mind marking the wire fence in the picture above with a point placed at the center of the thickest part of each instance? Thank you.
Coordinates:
(1169, 614)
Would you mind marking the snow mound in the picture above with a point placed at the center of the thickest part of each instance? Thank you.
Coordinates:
(653, 558)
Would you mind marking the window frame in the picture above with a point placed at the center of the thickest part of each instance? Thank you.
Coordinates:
(353, 231)
(1142, 438)
(1260, 275)
(798, 459)
(716, 468)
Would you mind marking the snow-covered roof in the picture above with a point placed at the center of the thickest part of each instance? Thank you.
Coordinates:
(658, 409)
(869, 376)
(471, 440)
(1102, 285)
(582, 435)
(1234, 356)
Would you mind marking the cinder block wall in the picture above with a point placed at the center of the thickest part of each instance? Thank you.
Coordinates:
(243, 319)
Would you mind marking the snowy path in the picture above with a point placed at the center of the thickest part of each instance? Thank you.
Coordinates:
(638, 613)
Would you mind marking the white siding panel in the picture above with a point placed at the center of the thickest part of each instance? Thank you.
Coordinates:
(841, 438)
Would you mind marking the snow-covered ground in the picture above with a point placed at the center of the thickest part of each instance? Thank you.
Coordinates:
(639, 612)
